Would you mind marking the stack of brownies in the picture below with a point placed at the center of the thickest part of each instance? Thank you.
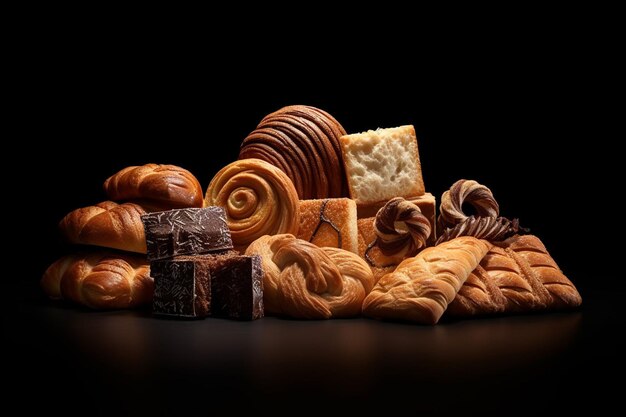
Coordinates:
(196, 273)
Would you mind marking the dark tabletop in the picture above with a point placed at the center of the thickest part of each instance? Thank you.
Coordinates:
(130, 363)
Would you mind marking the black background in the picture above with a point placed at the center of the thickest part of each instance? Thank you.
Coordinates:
(519, 115)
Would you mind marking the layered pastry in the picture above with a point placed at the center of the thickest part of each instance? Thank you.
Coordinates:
(303, 142)
(163, 186)
(302, 280)
(382, 164)
(100, 280)
(516, 275)
(330, 222)
(421, 287)
(259, 199)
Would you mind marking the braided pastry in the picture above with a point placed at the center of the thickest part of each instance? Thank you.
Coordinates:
(421, 287)
(168, 186)
(401, 228)
(106, 224)
(100, 280)
(259, 199)
(465, 192)
(516, 275)
(305, 281)
(493, 229)
(302, 141)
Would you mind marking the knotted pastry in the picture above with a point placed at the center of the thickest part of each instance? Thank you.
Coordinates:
(305, 281)
(259, 199)
(493, 229)
(517, 275)
(401, 228)
(302, 141)
(100, 280)
(465, 192)
(106, 224)
(398, 231)
(166, 186)
(421, 287)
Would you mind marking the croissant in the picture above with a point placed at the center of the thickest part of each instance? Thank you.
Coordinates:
(516, 275)
(106, 224)
(100, 280)
(259, 199)
(421, 287)
(305, 281)
(166, 186)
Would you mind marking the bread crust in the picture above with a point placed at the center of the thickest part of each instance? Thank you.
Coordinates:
(100, 280)
(516, 275)
(106, 224)
(302, 280)
(165, 186)
(421, 287)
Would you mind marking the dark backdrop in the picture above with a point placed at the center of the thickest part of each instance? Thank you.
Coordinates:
(518, 115)
(520, 127)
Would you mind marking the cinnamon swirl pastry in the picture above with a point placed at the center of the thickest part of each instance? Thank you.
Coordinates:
(259, 199)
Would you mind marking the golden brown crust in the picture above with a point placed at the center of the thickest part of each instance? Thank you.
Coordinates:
(259, 199)
(304, 281)
(379, 263)
(303, 142)
(106, 224)
(330, 222)
(421, 287)
(167, 186)
(517, 275)
(100, 280)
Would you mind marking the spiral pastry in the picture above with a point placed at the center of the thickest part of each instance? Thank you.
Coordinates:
(493, 229)
(259, 199)
(302, 141)
(466, 192)
(305, 281)
(401, 228)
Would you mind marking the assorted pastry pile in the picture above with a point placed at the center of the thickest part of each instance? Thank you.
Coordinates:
(309, 223)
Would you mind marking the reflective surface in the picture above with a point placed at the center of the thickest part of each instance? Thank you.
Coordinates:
(131, 363)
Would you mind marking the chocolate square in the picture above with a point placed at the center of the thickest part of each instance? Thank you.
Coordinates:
(181, 287)
(189, 231)
(237, 288)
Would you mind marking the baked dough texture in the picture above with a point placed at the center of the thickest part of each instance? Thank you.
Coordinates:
(421, 287)
(106, 224)
(100, 280)
(516, 275)
(382, 164)
(304, 281)
(303, 142)
(164, 186)
(259, 199)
